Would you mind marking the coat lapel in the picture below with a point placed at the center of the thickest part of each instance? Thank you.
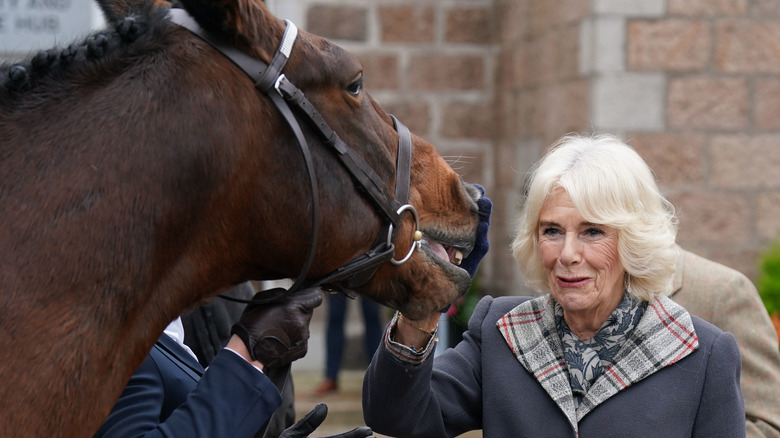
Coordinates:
(663, 336)
(179, 357)
(530, 331)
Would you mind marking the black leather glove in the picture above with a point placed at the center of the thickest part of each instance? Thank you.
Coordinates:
(312, 421)
(481, 245)
(277, 332)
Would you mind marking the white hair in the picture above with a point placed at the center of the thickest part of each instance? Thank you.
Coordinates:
(611, 185)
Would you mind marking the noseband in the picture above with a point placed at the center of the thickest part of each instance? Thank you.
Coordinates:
(288, 98)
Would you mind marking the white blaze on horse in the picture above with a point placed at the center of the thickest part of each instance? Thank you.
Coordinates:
(146, 169)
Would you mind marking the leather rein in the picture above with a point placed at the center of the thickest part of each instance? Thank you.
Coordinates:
(290, 100)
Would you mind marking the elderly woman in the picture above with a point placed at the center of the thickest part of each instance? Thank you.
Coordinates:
(602, 353)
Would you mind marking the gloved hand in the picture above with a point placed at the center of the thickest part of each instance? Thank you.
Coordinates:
(277, 333)
(312, 421)
(481, 245)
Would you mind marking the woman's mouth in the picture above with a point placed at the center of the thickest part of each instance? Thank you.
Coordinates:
(571, 281)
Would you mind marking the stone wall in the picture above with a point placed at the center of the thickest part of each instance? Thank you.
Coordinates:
(717, 153)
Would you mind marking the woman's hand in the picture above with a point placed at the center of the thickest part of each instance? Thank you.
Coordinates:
(481, 243)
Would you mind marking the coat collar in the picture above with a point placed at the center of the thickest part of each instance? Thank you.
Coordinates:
(663, 336)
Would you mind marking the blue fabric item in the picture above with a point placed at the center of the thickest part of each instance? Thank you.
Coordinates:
(481, 245)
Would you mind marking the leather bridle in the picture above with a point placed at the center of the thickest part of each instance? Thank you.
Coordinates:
(290, 100)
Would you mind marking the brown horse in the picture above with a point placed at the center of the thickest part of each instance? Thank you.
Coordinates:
(142, 172)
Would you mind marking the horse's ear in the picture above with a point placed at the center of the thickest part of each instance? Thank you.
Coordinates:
(245, 22)
(116, 10)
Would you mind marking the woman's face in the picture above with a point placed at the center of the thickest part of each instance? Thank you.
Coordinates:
(580, 258)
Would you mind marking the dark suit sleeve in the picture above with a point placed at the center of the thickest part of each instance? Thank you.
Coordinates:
(232, 399)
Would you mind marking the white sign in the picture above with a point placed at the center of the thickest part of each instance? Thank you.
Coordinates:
(31, 25)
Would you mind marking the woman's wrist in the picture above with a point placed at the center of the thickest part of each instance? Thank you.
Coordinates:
(421, 325)
(415, 334)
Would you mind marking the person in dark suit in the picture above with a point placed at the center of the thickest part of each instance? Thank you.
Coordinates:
(171, 394)
(207, 329)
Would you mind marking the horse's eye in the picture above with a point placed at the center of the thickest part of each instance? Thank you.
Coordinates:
(356, 87)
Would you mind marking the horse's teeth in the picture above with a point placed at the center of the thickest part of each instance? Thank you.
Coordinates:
(457, 258)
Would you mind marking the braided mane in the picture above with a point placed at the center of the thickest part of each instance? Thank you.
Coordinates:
(101, 53)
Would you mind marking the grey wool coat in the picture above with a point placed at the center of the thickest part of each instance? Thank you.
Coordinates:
(677, 376)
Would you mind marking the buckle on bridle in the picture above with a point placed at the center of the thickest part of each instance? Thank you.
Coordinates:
(278, 83)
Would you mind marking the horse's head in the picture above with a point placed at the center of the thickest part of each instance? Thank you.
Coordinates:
(332, 79)
(349, 222)
(447, 211)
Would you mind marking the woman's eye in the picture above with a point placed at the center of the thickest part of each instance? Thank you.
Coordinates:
(594, 232)
(549, 231)
(356, 87)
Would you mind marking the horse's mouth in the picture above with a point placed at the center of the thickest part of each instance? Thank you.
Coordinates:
(443, 252)
(435, 278)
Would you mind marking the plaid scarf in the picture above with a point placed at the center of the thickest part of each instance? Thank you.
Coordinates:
(586, 360)
(663, 336)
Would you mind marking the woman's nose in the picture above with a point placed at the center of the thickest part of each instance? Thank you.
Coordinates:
(571, 253)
